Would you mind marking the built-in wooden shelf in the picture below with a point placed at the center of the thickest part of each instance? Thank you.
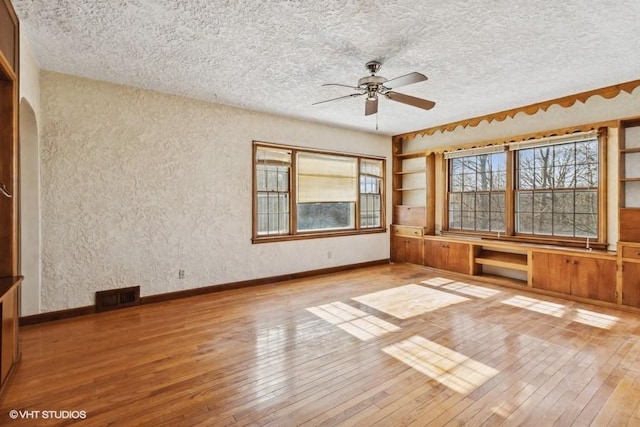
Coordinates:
(411, 189)
(413, 155)
(631, 179)
(510, 260)
(630, 150)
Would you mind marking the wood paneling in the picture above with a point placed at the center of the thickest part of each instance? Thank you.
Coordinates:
(409, 215)
(630, 224)
(257, 356)
(631, 284)
(9, 34)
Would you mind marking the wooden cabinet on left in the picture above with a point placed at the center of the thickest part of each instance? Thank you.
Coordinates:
(406, 244)
(10, 348)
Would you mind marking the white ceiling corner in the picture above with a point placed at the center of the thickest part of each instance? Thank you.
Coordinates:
(273, 56)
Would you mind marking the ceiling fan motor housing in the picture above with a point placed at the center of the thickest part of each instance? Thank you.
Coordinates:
(372, 84)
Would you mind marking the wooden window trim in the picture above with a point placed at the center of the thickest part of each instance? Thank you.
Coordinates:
(293, 211)
(511, 234)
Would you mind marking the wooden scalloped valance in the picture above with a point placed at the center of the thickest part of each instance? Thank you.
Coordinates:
(565, 102)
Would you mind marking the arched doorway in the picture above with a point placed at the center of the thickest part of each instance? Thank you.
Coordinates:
(30, 259)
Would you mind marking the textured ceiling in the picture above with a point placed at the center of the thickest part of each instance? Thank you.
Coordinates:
(273, 56)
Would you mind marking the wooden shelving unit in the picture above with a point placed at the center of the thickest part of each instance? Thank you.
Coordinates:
(629, 180)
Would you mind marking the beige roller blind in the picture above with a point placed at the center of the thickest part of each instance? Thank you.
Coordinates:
(327, 178)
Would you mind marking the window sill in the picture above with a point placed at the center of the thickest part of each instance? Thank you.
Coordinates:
(552, 241)
(316, 235)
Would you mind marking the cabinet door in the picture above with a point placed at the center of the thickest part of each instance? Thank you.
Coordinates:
(594, 278)
(457, 257)
(398, 249)
(435, 254)
(631, 284)
(9, 314)
(413, 250)
(552, 272)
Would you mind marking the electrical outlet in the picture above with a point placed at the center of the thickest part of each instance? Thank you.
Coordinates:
(329, 255)
(180, 274)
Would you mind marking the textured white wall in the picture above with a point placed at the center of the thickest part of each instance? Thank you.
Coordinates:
(137, 185)
(29, 180)
(595, 109)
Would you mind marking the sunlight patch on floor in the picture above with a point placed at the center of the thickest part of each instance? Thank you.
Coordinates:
(471, 290)
(437, 281)
(361, 325)
(591, 318)
(409, 300)
(539, 306)
(451, 369)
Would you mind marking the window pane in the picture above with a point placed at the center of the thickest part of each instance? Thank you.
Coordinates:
(456, 182)
(497, 221)
(456, 166)
(543, 157)
(468, 221)
(483, 202)
(524, 223)
(498, 181)
(455, 220)
(563, 201)
(563, 224)
(526, 178)
(542, 223)
(325, 216)
(261, 179)
(469, 182)
(497, 203)
(468, 202)
(542, 201)
(455, 201)
(586, 225)
(586, 202)
(483, 220)
(524, 202)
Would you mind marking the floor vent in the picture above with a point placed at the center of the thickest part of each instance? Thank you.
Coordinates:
(117, 298)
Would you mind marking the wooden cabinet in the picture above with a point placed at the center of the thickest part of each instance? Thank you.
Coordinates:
(446, 255)
(9, 352)
(629, 180)
(631, 284)
(9, 197)
(630, 265)
(406, 244)
(587, 277)
(406, 249)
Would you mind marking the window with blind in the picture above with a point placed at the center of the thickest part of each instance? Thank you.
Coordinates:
(303, 193)
(548, 188)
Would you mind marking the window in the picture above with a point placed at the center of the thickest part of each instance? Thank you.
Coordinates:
(272, 190)
(557, 189)
(305, 193)
(477, 192)
(547, 188)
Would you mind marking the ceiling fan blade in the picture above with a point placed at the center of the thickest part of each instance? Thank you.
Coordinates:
(371, 107)
(340, 97)
(410, 100)
(341, 85)
(407, 79)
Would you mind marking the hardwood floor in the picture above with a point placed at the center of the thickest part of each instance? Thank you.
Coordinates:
(387, 345)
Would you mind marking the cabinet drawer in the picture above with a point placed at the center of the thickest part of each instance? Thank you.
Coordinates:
(631, 252)
(399, 230)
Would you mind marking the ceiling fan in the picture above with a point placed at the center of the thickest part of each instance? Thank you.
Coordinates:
(373, 85)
